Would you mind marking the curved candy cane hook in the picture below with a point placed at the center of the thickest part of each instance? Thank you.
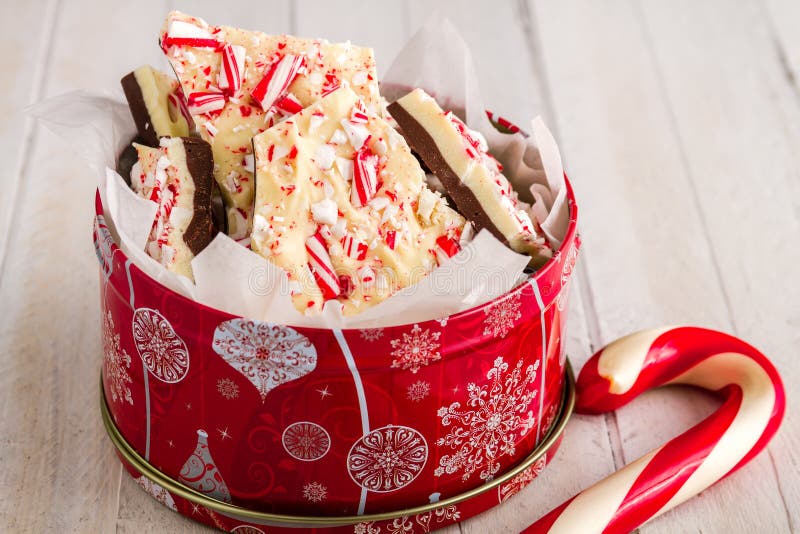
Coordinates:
(751, 412)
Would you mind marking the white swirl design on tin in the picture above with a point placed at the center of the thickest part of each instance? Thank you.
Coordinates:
(161, 349)
(388, 458)
(306, 441)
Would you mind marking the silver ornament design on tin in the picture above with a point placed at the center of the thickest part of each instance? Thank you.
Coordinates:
(268, 355)
(306, 441)
(201, 473)
(163, 351)
(387, 458)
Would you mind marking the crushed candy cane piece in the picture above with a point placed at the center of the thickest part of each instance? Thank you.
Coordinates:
(357, 134)
(208, 102)
(367, 276)
(277, 80)
(288, 105)
(322, 267)
(446, 248)
(324, 211)
(365, 181)
(354, 248)
(324, 156)
(232, 71)
(359, 114)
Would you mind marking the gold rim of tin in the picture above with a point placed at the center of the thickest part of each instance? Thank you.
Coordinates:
(173, 486)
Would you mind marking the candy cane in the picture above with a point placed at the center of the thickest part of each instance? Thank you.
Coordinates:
(750, 414)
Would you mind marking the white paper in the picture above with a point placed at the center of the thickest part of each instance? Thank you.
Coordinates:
(238, 281)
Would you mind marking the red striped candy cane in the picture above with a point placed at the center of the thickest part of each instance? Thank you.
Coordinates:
(751, 412)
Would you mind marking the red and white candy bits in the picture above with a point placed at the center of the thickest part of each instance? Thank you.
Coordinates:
(365, 179)
(206, 102)
(322, 267)
(751, 412)
(277, 80)
(232, 72)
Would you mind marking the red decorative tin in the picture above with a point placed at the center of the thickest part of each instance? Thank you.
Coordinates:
(327, 422)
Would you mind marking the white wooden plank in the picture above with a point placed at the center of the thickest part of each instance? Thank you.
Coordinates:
(378, 25)
(784, 19)
(27, 30)
(747, 180)
(645, 246)
(64, 477)
(139, 513)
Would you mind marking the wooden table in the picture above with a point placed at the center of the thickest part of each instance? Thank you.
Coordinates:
(679, 123)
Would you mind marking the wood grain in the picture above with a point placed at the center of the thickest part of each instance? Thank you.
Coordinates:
(679, 123)
(647, 254)
(750, 167)
(29, 33)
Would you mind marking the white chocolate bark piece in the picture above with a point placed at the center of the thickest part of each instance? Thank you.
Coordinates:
(471, 176)
(157, 105)
(342, 206)
(177, 176)
(238, 83)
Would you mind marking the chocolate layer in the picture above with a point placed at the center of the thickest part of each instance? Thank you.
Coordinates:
(423, 144)
(218, 209)
(133, 93)
(127, 159)
(200, 164)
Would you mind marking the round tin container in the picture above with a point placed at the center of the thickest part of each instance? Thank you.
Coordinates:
(325, 422)
(230, 518)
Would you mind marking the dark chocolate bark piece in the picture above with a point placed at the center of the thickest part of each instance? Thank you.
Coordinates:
(423, 145)
(200, 163)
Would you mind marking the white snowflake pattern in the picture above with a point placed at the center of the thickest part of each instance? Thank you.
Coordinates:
(371, 334)
(247, 529)
(228, 388)
(267, 355)
(516, 484)
(416, 349)
(502, 316)
(117, 361)
(161, 349)
(315, 492)
(488, 428)
(306, 441)
(417, 391)
(388, 458)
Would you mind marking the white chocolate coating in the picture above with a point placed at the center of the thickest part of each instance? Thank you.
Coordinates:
(156, 89)
(305, 180)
